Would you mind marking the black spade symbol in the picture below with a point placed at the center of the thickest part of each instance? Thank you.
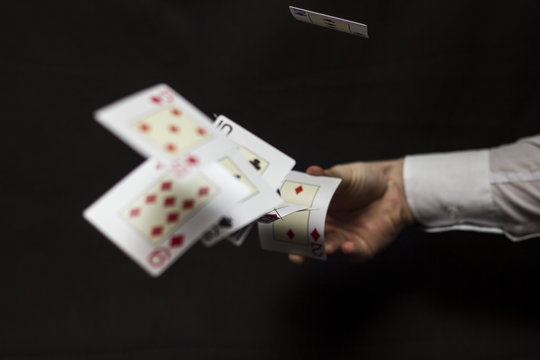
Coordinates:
(225, 222)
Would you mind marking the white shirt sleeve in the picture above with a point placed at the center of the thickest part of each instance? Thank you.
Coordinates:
(463, 191)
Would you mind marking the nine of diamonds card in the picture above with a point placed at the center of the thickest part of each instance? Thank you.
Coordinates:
(156, 212)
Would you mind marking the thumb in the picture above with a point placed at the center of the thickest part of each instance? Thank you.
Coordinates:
(315, 170)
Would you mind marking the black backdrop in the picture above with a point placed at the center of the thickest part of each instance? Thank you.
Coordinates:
(434, 76)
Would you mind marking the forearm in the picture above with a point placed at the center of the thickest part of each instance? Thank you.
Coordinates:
(494, 190)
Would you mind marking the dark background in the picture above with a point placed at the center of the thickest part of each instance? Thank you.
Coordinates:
(434, 76)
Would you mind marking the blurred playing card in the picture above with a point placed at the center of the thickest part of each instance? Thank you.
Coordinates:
(156, 213)
(238, 237)
(272, 164)
(260, 198)
(329, 22)
(159, 122)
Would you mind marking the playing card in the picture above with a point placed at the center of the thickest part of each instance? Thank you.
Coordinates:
(301, 232)
(272, 164)
(330, 22)
(280, 212)
(259, 200)
(237, 238)
(159, 210)
(158, 122)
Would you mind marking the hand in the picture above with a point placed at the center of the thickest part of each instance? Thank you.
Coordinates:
(368, 210)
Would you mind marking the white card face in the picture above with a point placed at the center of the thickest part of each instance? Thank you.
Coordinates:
(260, 199)
(301, 232)
(330, 22)
(238, 237)
(158, 122)
(270, 163)
(156, 213)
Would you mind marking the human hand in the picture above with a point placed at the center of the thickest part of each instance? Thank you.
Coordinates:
(368, 210)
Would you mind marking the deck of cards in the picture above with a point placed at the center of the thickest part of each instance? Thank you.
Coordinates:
(203, 181)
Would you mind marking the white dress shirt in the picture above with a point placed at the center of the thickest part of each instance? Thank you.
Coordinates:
(495, 190)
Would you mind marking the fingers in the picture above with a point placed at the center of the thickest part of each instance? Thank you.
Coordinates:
(339, 238)
(332, 241)
(296, 259)
(315, 170)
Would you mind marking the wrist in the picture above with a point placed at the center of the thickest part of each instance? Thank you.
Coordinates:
(394, 173)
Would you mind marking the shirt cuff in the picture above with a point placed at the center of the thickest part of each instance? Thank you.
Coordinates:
(451, 191)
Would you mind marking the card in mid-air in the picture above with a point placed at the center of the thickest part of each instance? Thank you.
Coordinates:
(330, 22)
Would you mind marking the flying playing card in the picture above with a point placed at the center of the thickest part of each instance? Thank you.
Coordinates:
(260, 199)
(330, 22)
(157, 212)
(237, 238)
(272, 164)
(301, 232)
(158, 122)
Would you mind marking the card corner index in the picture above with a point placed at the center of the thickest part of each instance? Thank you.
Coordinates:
(299, 14)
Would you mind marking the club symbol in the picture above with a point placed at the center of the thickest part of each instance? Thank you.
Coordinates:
(225, 222)
(256, 163)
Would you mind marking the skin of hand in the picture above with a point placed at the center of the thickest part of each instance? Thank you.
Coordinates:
(368, 210)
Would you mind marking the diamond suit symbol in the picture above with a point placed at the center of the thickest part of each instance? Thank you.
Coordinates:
(172, 217)
(150, 199)
(166, 185)
(169, 201)
(135, 212)
(157, 230)
(170, 147)
(299, 189)
(188, 204)
(177, 240)
(290, 234)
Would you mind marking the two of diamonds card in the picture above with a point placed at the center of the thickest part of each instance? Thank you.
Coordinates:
(301, 232)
